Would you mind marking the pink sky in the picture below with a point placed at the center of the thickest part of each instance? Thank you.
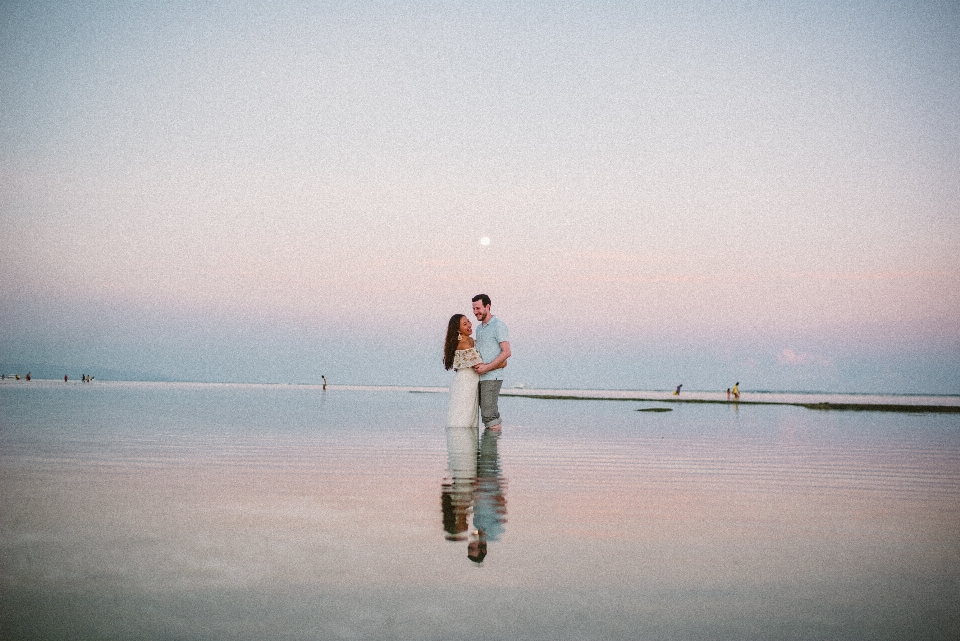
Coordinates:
(767, 181)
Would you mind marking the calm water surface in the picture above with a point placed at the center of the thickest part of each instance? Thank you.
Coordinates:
(250, 512)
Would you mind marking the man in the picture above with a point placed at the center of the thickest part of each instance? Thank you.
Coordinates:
(493, 343)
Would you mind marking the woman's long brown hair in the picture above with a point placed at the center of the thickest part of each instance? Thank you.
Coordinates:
(453, 337)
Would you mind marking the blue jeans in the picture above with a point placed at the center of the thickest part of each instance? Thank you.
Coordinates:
(489, 395)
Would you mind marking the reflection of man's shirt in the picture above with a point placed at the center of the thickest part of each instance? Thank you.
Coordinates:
(488, 341)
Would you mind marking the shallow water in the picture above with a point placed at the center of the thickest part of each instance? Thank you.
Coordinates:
(248, 512)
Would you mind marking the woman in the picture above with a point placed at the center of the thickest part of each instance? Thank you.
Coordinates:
(460, 355)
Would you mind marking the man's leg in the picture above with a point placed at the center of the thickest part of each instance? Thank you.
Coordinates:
(489, 396)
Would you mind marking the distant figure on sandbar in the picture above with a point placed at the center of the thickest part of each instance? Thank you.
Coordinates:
(28, 376)
(64, 378)
(728, 393)
(736, 391)
(324, 379)
(676, 392)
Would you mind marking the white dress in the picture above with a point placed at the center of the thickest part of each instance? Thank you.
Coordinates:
(464, 407)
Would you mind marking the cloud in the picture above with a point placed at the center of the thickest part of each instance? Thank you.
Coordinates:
(788, 356)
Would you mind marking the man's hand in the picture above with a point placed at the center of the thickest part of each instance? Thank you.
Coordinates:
(497, 363)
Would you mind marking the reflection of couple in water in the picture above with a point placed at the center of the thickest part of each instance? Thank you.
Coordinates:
(474, 485)
(475, 481)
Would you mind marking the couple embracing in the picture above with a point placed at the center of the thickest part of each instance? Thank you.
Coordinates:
(478, 364)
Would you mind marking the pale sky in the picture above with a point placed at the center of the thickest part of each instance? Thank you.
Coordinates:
(695, 192)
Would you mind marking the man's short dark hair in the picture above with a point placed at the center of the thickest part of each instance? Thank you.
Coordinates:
(483, 298)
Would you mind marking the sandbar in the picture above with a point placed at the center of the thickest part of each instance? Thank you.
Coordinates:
(857, 407)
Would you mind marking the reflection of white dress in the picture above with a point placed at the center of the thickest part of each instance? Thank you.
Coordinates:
(464, 390)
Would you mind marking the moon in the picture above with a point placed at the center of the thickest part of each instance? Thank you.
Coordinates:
(485, 241)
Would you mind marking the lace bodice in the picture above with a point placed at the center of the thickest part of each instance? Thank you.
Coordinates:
(466, 358)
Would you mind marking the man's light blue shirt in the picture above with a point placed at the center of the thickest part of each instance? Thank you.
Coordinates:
(488, 341)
